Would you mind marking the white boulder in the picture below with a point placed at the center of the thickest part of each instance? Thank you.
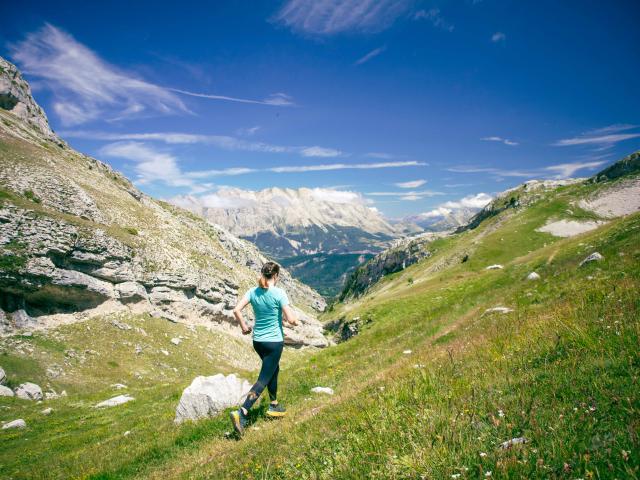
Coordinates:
(594, 257)
(176, 341)
(47, 411)
(114, 401)
(533, 276)
(29, 391)
(19, 423)
(3, 377)
(494, 267)
(327, 390)
(498, 310)
(208, 396)
(5, 391)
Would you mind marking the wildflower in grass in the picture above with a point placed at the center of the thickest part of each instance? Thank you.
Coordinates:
(455, 475)
(487, 474)
(482, 454)
(500, 413)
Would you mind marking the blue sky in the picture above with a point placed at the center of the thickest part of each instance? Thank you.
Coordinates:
(410, 105)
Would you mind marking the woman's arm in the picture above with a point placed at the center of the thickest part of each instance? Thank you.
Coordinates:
(237, 312)
(289, 316)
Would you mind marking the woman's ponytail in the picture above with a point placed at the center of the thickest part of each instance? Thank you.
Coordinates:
(269, 270)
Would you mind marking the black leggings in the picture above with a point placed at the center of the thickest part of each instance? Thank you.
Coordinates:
(270, 353)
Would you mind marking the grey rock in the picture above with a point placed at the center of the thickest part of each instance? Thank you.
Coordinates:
(120, 325)
(533, 276)
(498, 310)
(29, 391)
(6, 391)
(514, 441)
(115, 401)
(494, 267)
(325, 390)
(47, 411)
(208, 396)
(19, 423)
(130, 292)
(594, 257)
(21, 319)
(15, 96)
(3, 377)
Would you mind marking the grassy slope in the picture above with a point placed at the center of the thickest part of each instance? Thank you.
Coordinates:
(562, 369)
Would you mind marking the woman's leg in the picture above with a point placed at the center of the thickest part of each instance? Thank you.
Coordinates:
(272, 386)
(270, 352)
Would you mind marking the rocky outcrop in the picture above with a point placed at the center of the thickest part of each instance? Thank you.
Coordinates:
(208, 396)
(19, 423)
(77, 238)
(15, 97)
(401, 255)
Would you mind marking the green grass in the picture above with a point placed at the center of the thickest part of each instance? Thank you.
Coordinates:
(561, 370)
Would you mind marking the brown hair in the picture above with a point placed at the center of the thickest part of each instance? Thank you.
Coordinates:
(269, 270)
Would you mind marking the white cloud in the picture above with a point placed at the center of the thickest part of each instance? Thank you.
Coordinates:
(603, 137)
(342, 166)
(498, 37)
(248, 132)
(436, 212)
(225, 142)
(328, 17)
(406, 195)
(565, 170)
(373, 53)
(84, 85)
(151, 165)
(506, 141)
(495, 171)
(433, 15)
(336, 196)
(478, 200)
(320, 152)
(411, 198)
(275, 99)
(411, 184)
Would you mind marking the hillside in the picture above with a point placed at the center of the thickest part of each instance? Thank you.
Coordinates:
(77, 239)
(452, 370)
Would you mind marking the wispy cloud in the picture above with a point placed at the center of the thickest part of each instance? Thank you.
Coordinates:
(411, 184)
(410, 195)
(373, 53)
(320, 152)
(566, 170)
(275, 99)
(344, 166)
(225, 142)
(150, 165)
(506, 141)
(498, 37)
(86, 87)
(495, 171)
(433, 16)
(248, 132)
(602, 137)
(329, 17)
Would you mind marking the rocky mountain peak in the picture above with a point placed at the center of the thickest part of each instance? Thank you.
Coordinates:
(15, 97)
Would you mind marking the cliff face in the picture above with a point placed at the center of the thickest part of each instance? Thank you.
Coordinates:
(77, 238)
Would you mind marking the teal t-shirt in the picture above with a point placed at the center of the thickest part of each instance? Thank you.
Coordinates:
(267, 306)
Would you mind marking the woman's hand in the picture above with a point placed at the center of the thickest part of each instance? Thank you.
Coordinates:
(246, 329)
(289, 316)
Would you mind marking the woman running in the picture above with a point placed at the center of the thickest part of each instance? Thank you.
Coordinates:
(270, 304)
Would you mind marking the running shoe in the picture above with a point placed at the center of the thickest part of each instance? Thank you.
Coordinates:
(276, 410)
(239, 421)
